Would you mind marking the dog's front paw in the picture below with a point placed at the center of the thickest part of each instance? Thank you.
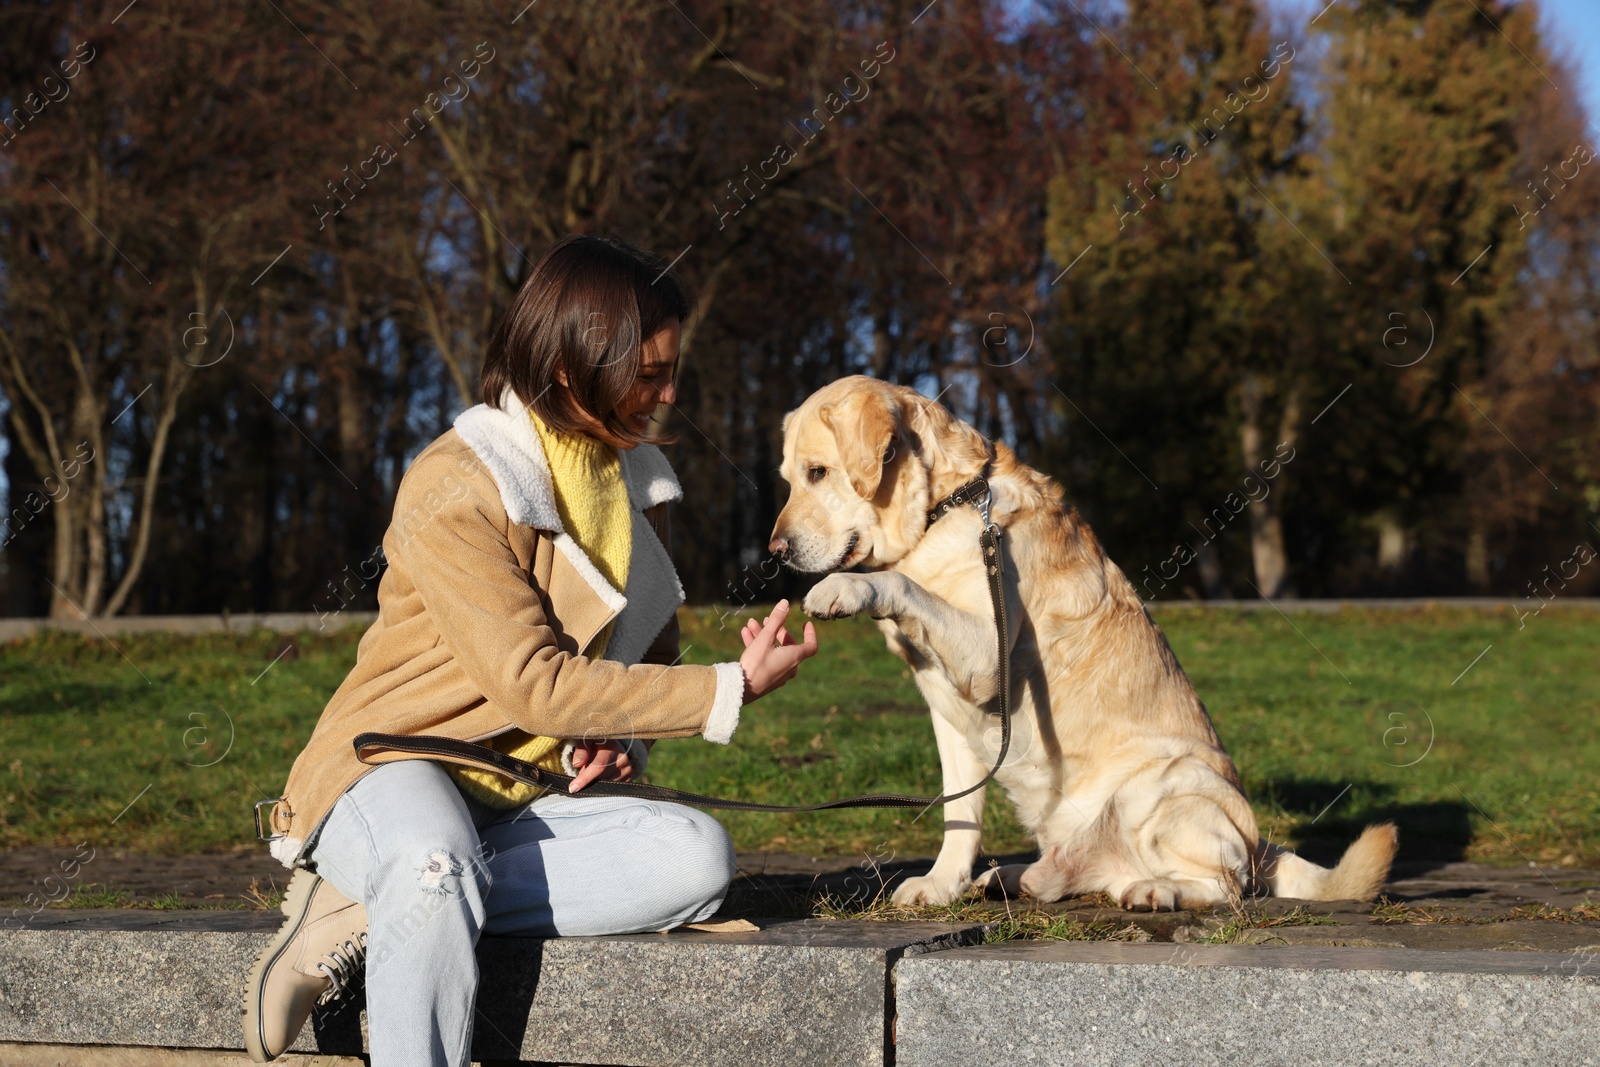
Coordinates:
(840, 595)
(929, 889)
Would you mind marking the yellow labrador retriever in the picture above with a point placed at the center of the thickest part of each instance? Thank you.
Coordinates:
(1114, 765)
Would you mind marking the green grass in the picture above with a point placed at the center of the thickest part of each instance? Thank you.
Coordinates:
(1307, 709)
(1389, 913)
(1237, 928)
(96, 895)
(109, 744)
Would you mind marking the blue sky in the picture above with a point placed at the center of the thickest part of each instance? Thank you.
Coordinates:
(1569, 28)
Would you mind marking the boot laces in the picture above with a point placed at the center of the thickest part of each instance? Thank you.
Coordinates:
(341, 965)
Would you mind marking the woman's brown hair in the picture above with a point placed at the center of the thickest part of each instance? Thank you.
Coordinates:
(585, 310)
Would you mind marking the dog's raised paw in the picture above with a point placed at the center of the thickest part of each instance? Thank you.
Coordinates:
(839, 596)
(928, 890)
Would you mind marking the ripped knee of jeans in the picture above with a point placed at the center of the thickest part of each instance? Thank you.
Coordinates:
(440, 872)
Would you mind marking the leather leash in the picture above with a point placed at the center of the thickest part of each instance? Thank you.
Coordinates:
(469, 754)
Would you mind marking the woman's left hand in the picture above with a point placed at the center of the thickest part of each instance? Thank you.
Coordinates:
(600, 761)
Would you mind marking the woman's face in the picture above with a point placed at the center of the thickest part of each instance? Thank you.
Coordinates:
(651, 389)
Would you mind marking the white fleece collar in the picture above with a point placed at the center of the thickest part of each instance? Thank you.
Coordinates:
(504, 440)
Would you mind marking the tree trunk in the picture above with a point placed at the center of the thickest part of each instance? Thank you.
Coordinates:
(705, 300)
(1394, 544)
(1268, 553)
(1210, 565)
(1478, 555)
(64, 560)
(80, 560)
(178, 375)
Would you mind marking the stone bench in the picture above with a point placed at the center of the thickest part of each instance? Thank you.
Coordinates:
(795, 992)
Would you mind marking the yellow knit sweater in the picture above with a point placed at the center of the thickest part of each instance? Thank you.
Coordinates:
(592, 500)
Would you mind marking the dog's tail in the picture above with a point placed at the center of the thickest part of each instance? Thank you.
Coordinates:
(1360, 874)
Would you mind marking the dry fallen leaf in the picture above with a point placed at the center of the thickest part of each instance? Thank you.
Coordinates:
(725, 926)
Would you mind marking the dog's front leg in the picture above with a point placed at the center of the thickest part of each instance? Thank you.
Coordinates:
(959, 644)
(880, 594)
(963, 823)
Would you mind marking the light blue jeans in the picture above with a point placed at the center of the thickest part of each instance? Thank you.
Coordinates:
(436, 868)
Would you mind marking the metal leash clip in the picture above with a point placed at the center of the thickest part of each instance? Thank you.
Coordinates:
(983, 505)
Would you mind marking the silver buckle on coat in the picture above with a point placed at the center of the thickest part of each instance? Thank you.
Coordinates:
(261, 827)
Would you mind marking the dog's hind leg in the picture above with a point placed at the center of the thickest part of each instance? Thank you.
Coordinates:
(1188, 853)
(1044, 880)
(1171, 894)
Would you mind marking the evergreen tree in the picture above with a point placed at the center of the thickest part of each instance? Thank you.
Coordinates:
(1427, 106)
(1185, 374)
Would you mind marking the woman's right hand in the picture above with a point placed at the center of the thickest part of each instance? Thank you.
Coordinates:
(771, 656)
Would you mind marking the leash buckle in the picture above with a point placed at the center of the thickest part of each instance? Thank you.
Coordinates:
(261, 828)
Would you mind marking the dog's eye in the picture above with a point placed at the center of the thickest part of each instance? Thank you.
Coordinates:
(816, 474)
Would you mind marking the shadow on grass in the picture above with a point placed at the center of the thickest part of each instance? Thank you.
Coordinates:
(52, 698)
(1432, 833)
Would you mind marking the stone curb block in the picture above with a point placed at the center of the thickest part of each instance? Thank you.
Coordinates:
(1133, 1005)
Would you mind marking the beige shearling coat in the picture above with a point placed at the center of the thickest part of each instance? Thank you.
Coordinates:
(483, 610)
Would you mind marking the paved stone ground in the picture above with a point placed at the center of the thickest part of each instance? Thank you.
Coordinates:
(1425, 905)
(1428, 905)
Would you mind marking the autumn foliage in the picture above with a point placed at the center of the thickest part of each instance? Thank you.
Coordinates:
(1289, 308)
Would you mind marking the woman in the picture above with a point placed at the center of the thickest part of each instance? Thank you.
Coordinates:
(530, 605)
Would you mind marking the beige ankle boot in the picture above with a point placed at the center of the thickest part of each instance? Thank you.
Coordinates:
(312, 959)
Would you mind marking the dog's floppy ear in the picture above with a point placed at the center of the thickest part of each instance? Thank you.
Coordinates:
(863, 438)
